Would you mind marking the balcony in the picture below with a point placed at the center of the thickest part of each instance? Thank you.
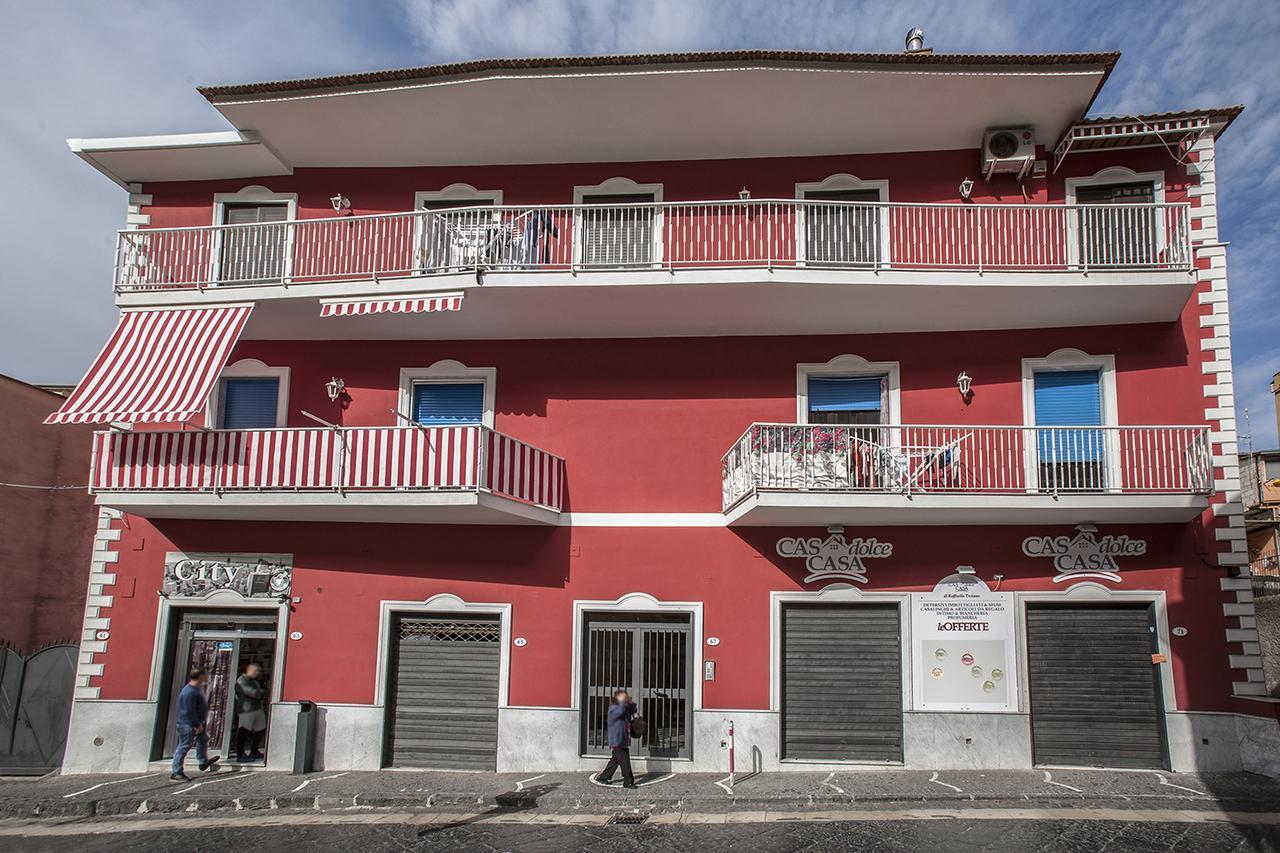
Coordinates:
(779, 474)
(446, 475)
(692, 267)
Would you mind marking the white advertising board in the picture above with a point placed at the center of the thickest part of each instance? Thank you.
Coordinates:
(963, 656)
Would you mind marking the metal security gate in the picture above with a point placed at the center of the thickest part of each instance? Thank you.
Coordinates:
(35, 707)
(1095, 691)
(442, 693)
(842, 683)
(650, 659)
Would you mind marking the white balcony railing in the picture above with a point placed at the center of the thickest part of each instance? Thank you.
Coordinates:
(674, 236)
(906, 460)
(357, 459)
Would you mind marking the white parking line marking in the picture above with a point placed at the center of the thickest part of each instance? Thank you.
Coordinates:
(837, 788)
(934, 780)
(104, 784)
(520, 784)
(307, 782)
(1048, 778)
(232, 775)
(1164, 781)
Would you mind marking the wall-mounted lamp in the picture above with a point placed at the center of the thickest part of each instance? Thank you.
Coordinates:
(341, 204)
(334, 388)
(966, 189)
(744, 194)
(965, 383)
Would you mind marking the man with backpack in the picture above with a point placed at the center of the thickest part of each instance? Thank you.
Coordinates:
(620, 715)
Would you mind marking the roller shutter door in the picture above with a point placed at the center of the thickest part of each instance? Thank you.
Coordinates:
(842, 683)
(1095, 694)
(442, 709)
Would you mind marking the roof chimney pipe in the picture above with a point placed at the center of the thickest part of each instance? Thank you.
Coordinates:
(915, 41)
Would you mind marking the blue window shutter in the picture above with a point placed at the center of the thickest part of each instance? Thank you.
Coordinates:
(845, 394)
(448, 403)
(1069, 398)
(249, 403)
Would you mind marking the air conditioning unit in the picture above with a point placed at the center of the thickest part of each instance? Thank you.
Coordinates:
(1008, 151)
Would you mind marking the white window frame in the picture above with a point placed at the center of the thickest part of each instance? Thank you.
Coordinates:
(442, 603)
(640, 603)
(252, 194)
(618, 186)
(852, 366)
(444, 372)
(1064, 360)
(843, 182)
(453, 192)
(249, 368)
(1107, 177)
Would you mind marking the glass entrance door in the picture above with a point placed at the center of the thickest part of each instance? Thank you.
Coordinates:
(223, 645)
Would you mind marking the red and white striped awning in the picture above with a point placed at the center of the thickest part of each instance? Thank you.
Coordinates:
(408, 305)
(159, 365)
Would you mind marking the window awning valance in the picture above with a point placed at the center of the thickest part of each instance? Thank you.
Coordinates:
(407, 305)
(158, 366)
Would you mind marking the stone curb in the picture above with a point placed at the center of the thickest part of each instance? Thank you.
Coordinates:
(516, 802)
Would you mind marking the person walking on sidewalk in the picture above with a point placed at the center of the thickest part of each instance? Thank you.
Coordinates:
(619, 723)
(193, 716)
(251, 701)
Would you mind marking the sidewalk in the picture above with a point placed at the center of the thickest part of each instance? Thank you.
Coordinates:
(242, 790)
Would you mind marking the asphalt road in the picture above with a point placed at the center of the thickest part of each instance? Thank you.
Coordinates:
(372, 832)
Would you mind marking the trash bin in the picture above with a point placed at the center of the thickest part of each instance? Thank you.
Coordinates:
(304, 744)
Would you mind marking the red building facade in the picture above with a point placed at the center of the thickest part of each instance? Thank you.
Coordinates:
(892, 445)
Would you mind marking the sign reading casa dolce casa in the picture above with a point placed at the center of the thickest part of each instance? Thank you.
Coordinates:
(835, 557)
(1085, 555)
(250, 575)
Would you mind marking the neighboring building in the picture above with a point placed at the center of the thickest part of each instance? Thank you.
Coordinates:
(46, 534)
(47, 521)
(465, 395)
(1260, 491)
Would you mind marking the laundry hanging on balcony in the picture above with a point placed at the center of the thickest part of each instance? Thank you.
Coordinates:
(408, 305)
(158, 366)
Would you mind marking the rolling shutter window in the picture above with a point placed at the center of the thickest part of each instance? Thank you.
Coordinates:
(846, 400)
(618, 235)
(253, 254)
(842, 234)
(1070, 398)
(448, 403)
(250, 403)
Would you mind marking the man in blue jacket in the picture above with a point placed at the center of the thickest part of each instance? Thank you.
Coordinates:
(193, 715)
(619, 722)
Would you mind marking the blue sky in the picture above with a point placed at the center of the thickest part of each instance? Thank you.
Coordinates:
(112, 69)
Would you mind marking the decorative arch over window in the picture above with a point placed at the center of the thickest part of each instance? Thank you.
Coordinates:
(456, 195)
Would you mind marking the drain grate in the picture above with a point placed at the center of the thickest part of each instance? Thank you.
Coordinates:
(633, 819)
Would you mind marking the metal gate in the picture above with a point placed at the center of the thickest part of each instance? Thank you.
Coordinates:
(35, 707)
(842, 683)
(442, 693)
(652, 660)
(1095, 691)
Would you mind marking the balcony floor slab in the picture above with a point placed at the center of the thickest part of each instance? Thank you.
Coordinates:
(460, 507)
(783, 509)
(693, 302)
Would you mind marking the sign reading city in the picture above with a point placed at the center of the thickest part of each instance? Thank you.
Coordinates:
(835, 557)
(1084, 555)
(963, 638)
(250, 575)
